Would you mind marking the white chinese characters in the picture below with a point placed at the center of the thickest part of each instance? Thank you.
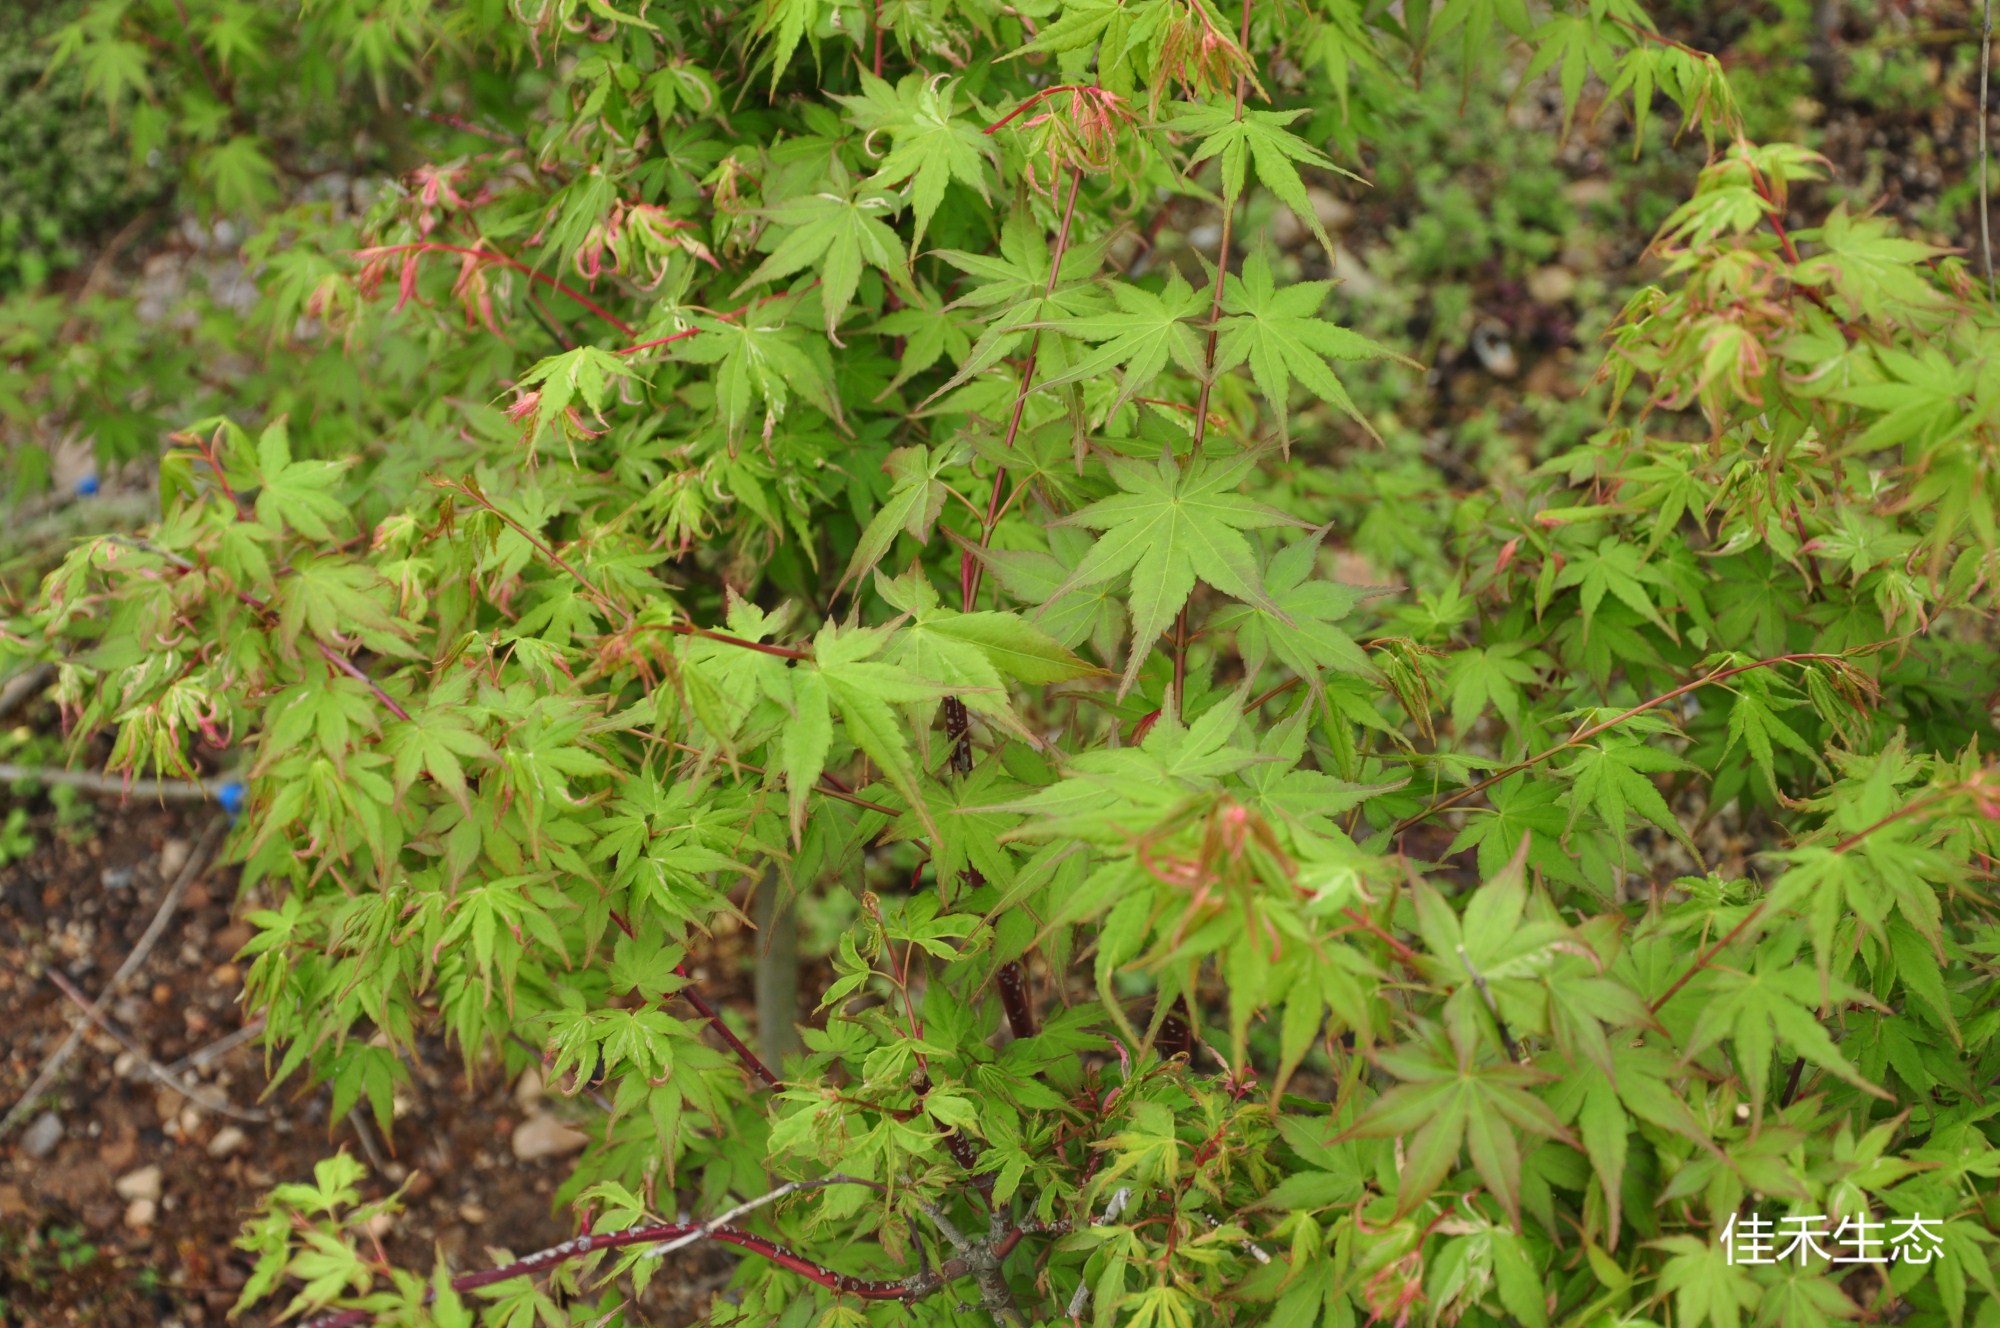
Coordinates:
(1754, 1240)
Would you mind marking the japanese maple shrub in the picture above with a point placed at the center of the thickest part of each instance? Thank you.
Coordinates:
(778, 442)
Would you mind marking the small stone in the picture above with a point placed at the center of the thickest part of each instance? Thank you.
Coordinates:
(139, 1214)
(128, 1065)
(13, 1203)
(1553, 284)
(1356, 281)
(120, 1152)
(115, 878)
(542, 1135)
(1332, 210)
(1494, 352)
(471, 1214)
(173, 857)
(229, 1139)
(528, 1088)
(227, 975)
(162, 993)
(41, 1137)
(141, 1184)
(381, 1224)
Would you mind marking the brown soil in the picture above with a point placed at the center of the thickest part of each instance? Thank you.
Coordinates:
(72, 1251)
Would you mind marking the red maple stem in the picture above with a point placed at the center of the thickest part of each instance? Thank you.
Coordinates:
(659, 341)
(761, 647)
(750, 1059)
(1585, 735)
(970, 581)
(903, 1289)
(495, 256)
(1706, 957)
(1003, 121)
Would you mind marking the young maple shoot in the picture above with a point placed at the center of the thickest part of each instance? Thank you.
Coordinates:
(791, 453)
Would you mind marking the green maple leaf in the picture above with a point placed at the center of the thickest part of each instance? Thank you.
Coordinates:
(1072, 616)
(1776, 1002)
(930, 333)
(1706, 1286)
(760, 358)
(1300, 633)
(435, 745)
(581, 376)
(1868, 265)
(839, 234)
(785, 22)
(299, 494)
(1520, 807)
(1446, 1103)
(1494, 676)
(1282, 336)
(1755, 725)
(1619, 569)
(1171, 525)
(1015, 284)
(916, 496)
(1141, 336)
(864, 691)
(929, 148)
(1611, 779)
(1238, 140)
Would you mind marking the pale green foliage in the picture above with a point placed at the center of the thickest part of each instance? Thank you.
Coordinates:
(870, 519)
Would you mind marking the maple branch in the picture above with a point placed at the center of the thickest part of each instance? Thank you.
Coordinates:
(979, 1259)
(540, 546)
(761, 647)
(1221, 268)
(974, 569)
(736, 1044)
(1003, 121)
(1985, 75)
(332, 656)
(707, 1011)
(495, 256)
(659, 341)
(1585, 735)
(1707, 956)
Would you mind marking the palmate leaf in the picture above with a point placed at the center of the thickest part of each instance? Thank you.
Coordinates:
(1707, 1288)
(1776, 1003)
(1144, 333)
(1171, 525)
(1299, 630)
(1447, 1103)
(916, 496)
(299, 494)
(761, 358)
(930, 148)
(864, 691)
(1610, 778)
(1238, 140)
(839, 235)
(1015, 284)
(1280, 334)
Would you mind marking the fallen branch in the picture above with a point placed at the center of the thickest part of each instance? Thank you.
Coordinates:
(197, 863)
(193, 1092)
(179, 790)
